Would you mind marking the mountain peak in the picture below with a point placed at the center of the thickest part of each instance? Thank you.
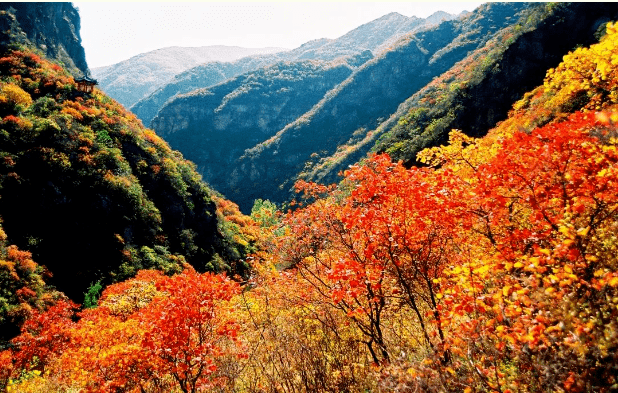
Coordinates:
(439, 16)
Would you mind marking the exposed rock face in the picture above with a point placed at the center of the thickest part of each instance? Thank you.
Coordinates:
(372, 37)
(51, 27)
(134, 78)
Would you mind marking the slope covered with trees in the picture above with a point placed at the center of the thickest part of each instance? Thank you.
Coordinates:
(491, 269)
(215, 126)
(137, 77)
(370, 37)
(478, 92)
(90, 192)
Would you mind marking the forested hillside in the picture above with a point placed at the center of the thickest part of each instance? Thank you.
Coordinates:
(347, 112)
(215, 126)
(89, 192)
(137, 77)
(478, 91)
(490, 269)
(360, 42)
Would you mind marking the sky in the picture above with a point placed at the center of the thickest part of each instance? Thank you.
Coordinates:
(115, 31)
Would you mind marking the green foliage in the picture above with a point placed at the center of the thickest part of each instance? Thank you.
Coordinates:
(103, 138)
(264, 212)
(80, 173)
(91, 297)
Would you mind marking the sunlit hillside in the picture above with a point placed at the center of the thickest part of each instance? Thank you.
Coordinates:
(92, 194)
(490, 269)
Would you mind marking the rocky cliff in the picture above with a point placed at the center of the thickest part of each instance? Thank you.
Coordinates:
(53, 28)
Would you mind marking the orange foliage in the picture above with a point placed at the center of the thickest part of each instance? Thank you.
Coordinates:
(151, 333)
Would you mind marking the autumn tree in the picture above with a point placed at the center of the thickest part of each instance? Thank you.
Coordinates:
(150, 333)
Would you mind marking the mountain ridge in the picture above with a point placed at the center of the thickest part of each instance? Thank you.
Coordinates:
(372, 36)
(131, 79)
(373, 91)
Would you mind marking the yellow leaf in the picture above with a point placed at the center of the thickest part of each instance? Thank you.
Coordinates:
(568, 242)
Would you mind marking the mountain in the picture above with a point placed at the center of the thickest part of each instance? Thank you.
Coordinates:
(134, 78)
(90, 192)
(53, 28)
(478, 91)
(85, 190)
(506, 243)
(224, 120)
(348, 111)
(372, 36)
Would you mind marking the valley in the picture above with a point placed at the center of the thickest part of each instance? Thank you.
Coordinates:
(421, 204)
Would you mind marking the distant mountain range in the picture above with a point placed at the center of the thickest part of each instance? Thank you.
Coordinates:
(372, 36)
(132, 79)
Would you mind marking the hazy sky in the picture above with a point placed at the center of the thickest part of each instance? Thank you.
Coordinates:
(115, 31)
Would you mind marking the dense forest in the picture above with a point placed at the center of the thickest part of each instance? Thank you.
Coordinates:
(483, 264)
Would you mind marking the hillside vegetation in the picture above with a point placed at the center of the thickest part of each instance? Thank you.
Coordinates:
(347, 112)
(491, 269)
(92, 194)
(361, 42)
